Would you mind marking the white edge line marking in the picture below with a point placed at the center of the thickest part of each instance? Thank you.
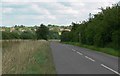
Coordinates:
(73, 50)
(110, 69)
(79, 53)
(90, 58)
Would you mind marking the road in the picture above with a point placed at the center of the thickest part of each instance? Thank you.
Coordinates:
(71, 59)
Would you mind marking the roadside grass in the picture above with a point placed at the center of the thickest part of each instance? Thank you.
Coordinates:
(0, 57)
(109, 51)
(42, 61)
(27, 57)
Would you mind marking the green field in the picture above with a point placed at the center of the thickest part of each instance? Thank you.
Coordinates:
(27, 57)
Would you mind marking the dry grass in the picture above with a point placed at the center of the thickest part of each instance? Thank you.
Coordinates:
(25, 56)
(0, 57)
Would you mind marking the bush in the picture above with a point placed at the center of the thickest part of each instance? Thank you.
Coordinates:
(28, 35)
(6, 35)
(15, 35)
(65, 36)
(116, 39)
(102, 30)
(42, 32)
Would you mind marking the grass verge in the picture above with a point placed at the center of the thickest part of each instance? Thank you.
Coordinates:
(27, 57)
(41, 61)
(109, 51)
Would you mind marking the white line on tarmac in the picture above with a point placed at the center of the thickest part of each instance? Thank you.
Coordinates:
(79, 53)
(73, 50)
(90, 58)
(110, 69)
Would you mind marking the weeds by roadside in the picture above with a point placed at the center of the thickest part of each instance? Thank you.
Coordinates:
(27, 57)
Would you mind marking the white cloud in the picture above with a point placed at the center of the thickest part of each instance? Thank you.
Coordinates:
(7, 10)
(59, 0)
(38, 9)
(0, 13)
(43, 11)
(28, 0)
(33, 12)
(68, 11)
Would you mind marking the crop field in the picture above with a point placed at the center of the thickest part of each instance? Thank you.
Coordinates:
(27, 57)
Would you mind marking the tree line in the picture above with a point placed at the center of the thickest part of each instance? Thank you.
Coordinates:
(42, 32)
(102, 31)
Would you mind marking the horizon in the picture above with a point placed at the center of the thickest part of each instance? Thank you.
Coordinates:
(33, 25)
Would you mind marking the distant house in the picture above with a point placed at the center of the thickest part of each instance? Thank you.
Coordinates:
(12, 29)
(2, 29)
(21, 30)
(51, 28)
(64, 29)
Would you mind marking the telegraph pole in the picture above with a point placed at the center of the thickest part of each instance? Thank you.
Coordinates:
(90, 16)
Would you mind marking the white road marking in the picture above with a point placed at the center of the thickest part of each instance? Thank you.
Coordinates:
(90, 58)
(73, 50)
(101, 64)
(79, 53)
(110, 69)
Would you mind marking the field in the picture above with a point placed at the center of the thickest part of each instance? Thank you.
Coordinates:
(27, 57)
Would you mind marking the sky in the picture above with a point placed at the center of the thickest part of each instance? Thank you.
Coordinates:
(58, 12)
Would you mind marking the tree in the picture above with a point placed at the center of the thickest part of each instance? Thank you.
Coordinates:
(53, 35)
(65, 37)
(42, 32)
(28, 35)
(15, 35)
(103, 30)
(5, 35)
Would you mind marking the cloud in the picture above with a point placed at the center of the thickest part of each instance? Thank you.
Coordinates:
(28, 0)
(38, 9)
(68, 11)
(0, 13)
(7, 10)
(59, 0)
(31, 12)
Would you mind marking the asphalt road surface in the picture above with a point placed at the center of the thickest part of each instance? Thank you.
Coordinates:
(71, 59)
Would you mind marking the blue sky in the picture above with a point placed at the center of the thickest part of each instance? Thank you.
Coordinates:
(60, 12)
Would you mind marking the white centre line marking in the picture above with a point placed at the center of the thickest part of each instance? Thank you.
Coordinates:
(90, 58)
(79, 53)
(73, 50)
(110, 69)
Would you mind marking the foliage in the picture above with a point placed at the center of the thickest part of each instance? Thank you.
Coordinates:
(17, 35)
(10, 35)
(27, 57)
(102, 31)
(42, 32)
(65, 36)
(28, 35)
(53, 35)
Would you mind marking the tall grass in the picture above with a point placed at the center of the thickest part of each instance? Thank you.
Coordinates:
(27, 57)
(0, 57)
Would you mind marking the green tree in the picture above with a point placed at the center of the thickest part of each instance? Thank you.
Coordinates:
(6, 35)
(53, 35)
(65, 37)
(28, 35)
(103, 30)
(42, 32)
